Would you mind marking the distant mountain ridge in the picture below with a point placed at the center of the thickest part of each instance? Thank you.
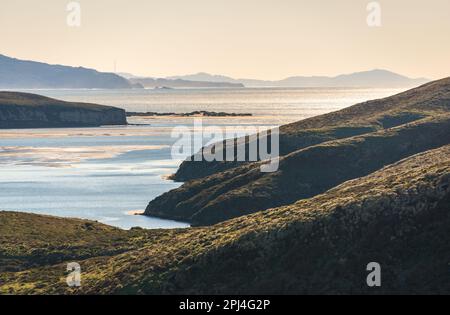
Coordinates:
(373, 78)
(180, 83)
(24, 74)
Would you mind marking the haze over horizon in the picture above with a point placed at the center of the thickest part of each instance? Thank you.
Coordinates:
(265, 39)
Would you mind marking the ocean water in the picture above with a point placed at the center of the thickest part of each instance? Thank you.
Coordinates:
(108, 174)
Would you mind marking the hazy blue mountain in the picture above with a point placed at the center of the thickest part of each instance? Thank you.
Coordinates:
(373, 78)
(21, 74)
(127, 75)
(179, 83)
(24, 110)
(205, 77)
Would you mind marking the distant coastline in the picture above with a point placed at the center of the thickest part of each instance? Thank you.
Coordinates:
(191, 114)
(27, 74)
(24, 110)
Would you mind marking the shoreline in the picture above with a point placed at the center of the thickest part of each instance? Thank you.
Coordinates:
(190, 114)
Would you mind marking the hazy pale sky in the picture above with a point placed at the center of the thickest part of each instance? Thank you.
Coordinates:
(265, 39)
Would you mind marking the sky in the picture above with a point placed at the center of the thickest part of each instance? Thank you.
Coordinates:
(261, 39)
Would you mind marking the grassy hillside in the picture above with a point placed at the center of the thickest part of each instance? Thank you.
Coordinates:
(336, 204)
(302, 174)
(430, 99)
(24, 110)
(397, 216)
(35, 100)
(33, 240)
(317, 154)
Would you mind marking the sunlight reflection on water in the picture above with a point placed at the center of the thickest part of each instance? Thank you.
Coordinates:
(109, 173)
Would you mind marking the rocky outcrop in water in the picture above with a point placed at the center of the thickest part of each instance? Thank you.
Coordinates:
(200, 113)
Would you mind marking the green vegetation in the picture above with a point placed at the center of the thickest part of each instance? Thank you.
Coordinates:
(335, 206)
(23, 110)
(427, 100)
(397, 216)
(319, 153)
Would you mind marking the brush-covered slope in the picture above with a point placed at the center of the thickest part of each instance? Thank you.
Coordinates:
(366, 117)
(29, 240)
(317, 154)
(398, 216)
(23, 110)
(301, 174)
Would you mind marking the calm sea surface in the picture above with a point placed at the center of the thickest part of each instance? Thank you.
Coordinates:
(108, 173)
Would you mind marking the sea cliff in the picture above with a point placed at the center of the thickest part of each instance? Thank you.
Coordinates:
(22, 110)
